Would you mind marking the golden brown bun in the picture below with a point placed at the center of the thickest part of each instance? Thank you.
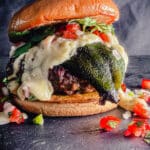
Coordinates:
(43, 12)
(75, 105)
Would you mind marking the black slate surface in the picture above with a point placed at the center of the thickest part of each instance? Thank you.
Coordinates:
(77, 132)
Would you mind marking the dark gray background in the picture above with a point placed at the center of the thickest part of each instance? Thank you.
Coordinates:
(133, 28)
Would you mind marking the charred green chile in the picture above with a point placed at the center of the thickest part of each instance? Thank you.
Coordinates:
(97, 64)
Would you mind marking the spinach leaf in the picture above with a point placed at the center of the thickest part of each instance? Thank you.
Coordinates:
(22, 49)
(35, 39)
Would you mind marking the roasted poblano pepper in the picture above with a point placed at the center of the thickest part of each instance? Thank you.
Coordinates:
(97, 64)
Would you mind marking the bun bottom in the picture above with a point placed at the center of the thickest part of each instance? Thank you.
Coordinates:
(67, 106)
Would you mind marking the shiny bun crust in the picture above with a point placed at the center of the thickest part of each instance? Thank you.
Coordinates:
(67, 106)
(44, 12)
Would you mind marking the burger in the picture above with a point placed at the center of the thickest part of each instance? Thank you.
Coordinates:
(66, 59)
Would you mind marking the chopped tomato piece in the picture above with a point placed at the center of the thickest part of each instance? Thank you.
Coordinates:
(97, 32)
(123, 87)
(148, 100)
(138, 128)
(127, 133)
(109, 123)
(72, 27)
(16, 116)
(140, 110)
(103, 36)
(69, 35)
(69, 31)
(148, 127)
(145, 83)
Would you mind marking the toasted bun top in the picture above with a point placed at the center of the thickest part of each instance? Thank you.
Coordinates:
(44, 12)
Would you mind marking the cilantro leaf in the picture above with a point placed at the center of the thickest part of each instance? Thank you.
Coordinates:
(5, 80)
(139, 123)
(112, 124)
(89, 22)
(32, 98)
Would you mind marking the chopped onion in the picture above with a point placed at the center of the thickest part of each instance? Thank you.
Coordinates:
(25, 116)
(127, 115)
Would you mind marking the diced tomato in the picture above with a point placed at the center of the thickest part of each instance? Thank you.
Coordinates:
(69, 31)
(148, 127)
(109, 123)
(16, 116)
(72, 27)
(69, 35)
(145, 83)
(102, 35)
(148, 100)
(141, 111)
(123, 87)
(127, 133)
(97, 32)
(138, 127)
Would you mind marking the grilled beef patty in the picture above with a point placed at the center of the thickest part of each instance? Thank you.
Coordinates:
(65, 83)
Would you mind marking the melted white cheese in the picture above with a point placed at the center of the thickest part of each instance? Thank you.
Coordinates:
(50, 52)
(4, 119)
(47, 54)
